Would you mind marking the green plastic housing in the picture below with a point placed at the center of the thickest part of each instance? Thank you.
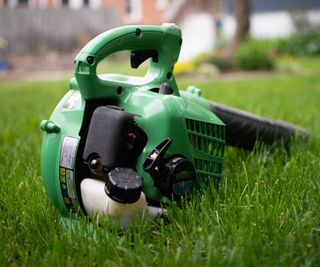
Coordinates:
(184, 116)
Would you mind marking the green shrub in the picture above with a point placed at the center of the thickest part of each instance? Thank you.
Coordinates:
(304, 44)
(254, 55)
(221, 62)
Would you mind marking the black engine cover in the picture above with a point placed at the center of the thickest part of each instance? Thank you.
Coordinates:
(110, 137)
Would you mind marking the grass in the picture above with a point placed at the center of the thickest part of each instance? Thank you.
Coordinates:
(266, 212)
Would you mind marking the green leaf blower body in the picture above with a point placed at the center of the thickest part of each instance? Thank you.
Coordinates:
(170, 138)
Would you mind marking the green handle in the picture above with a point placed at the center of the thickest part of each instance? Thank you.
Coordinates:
(166, 40)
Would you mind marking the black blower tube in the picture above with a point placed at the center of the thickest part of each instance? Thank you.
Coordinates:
(243, 129)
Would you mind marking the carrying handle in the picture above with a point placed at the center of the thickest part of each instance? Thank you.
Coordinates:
(164, 40)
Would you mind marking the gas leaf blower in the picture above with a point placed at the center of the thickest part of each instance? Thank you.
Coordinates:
(118, 145)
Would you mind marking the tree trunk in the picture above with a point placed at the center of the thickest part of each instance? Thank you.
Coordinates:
(242, 18)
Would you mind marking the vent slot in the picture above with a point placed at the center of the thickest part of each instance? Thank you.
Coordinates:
(207, 141)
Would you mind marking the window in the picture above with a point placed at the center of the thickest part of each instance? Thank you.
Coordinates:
(65, 3)
(22, 3)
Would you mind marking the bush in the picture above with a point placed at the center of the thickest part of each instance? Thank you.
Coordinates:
(304, 44)
(181, 68)
(254, 55)
(221, 62)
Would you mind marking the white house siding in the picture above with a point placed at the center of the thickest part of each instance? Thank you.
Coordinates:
(270, 24)
(75, 4)
(198, 33)
(94, 4)
(314, 17)
(228, 26)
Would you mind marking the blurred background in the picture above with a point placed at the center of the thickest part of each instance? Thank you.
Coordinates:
(40, 38)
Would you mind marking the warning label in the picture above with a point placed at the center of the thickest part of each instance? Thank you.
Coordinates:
(70, 184)
(66, 173)
(68, 152)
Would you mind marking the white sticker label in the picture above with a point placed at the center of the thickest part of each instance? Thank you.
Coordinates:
(68, 152)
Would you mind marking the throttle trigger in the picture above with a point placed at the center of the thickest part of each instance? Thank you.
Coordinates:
(156, 155)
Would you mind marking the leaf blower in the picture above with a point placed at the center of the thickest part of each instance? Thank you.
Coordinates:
(117, 145)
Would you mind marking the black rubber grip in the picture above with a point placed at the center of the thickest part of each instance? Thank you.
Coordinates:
(243, 129)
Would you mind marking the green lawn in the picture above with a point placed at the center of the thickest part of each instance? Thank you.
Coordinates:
(265, 214)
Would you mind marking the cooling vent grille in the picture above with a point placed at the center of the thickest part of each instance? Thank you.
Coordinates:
(207, 141)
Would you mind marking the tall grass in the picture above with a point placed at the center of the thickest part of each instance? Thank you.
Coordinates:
(266, 212)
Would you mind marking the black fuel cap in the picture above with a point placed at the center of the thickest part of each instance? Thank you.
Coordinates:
(123, 185)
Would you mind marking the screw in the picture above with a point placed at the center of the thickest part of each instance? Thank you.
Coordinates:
(90, 59)
(138, 32)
